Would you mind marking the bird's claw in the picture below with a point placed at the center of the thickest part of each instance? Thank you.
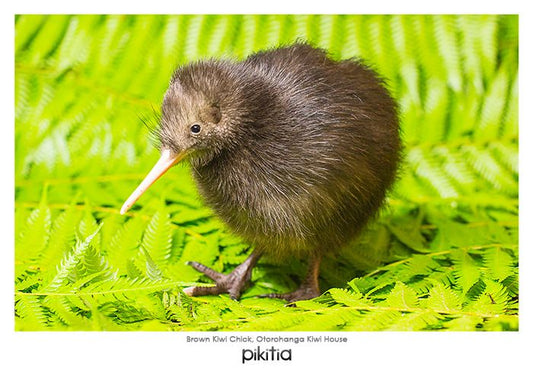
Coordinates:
(225, 283)
(233, 283)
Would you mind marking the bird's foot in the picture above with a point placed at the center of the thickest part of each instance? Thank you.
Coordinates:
(233, 283)
(309, 288)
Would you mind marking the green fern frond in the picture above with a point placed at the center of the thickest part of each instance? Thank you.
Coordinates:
(490, 170)
(26, 29)
(493, 300)
(70, 261)
(48, 38)
(417, 321)
(509, 127)
(33, 239)
(31, 312)
(464, 323)
(461, 175)
(67, 314)
(124, 244)
(25, 282)
(157, 239)
(505, 155)
(347, 298)
(449, 50)
(471, 57)
(430, 173)
(493, 107)
(62, 236)
(466, 271)
(499, 264)
(92, 263)
(442, 299)
(88, 226)
(402, 296)
(152, 270)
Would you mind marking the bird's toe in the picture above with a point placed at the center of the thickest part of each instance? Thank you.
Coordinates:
(233, 283)
(213, 274)
(195, 291)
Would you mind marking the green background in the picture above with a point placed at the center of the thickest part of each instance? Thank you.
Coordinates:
(443, 255)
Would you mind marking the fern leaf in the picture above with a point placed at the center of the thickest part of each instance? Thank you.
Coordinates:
(506, 155)
(347, 298)
(33, 239)
(69, 262)
(62, 236)
(48, 38)
(125, 289)
(490, 170)
(448, 47)
(29, 309)
(510, 123)
(466, 272)
(430, 171)
(157, 238)
(454, 166)
(68, 316)
(416, 321)
(464, 323)
(402, 296)
(470, 54)
(502, 323)
(123, 246)
(499, 263)
(123, 312)
(132, 270)
(280, 320)
(487, 43)
(27, 26)
(88, 226)
(494, 299)
(442, 299)
(152, 270)
(76, 45)
(493, 107)
(27, 281)
(91, 263)
(376, 320)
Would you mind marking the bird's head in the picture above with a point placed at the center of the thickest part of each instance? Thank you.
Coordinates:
(198, 120)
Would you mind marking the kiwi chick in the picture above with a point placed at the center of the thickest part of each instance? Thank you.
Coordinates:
(294, 152)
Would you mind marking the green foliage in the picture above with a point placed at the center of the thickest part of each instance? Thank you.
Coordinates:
(443, 255)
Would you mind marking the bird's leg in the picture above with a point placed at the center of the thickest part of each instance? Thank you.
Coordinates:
(308, 288)
(233, 283)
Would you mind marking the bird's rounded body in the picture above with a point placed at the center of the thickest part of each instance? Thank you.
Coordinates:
(316, 149)
(293, 150)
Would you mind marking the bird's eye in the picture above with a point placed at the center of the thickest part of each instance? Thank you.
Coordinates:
(195, 129)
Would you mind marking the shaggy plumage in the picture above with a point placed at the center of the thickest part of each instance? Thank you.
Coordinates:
(295, 151)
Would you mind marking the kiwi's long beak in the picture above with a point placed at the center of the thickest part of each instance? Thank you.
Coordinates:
(167, 160)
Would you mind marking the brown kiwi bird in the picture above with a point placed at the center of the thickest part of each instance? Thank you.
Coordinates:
(294, 151)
